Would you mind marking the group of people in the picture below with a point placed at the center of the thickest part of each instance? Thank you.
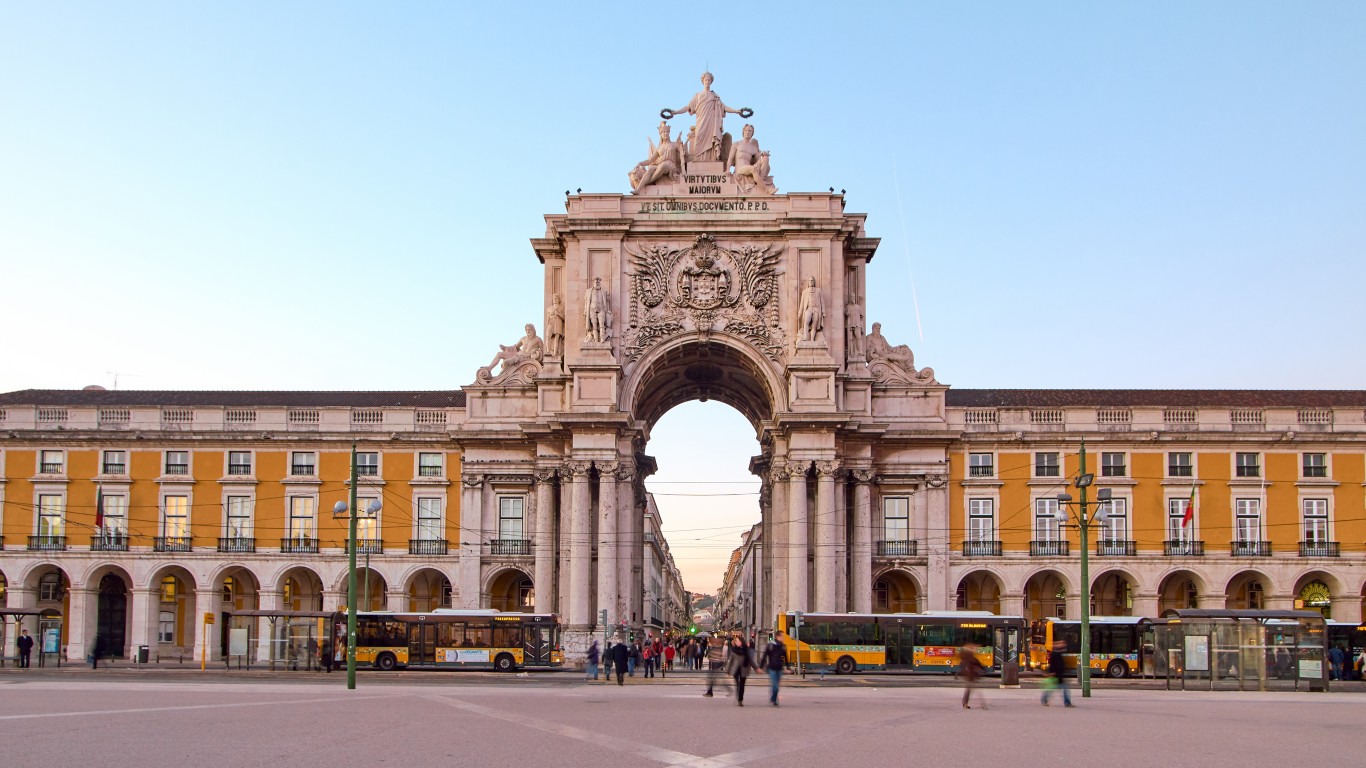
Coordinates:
(727, 658)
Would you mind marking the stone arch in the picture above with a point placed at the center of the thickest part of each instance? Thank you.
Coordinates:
(174, 592)
(693, 367)
(1314, 591)
(427, 589)
(980, 590)
(4, 588)
(506, 589)
(238, 585)
(897, 590)
(1247, 589)
(35, 572)
(300, 588)
(372, 588)
(95, 572)
(1179, 588)
(1044, 591)
(1112, 593)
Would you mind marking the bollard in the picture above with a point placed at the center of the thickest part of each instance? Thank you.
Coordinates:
(1010, 674)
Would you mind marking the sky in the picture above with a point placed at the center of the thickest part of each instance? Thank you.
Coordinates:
(263, 195)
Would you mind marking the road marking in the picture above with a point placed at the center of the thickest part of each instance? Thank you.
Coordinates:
(138, 710)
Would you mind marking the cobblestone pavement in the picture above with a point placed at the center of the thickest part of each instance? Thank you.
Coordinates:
(152, 717)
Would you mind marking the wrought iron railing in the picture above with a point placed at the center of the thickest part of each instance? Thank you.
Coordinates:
(1183, 548)
(1320, 549)
(510, 546)
(1117, 548)
(897, 548)
(299, 545)
(237, 544)
(171, 544)
(369, 546)
(428, 546)
(113, 541)
(1251, 548)
(981, 549)
(47, 543)
(1049, 548)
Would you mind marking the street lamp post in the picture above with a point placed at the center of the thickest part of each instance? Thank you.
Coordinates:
(1083, 518)
(343, 508)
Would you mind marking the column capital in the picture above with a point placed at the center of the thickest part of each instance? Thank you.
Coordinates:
(828, 469)
(575, 470)
(797, 468)
(542, 475)
(607, 468)
(626, 473)
(863, 476)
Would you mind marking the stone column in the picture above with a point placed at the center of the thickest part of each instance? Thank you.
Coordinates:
(270, 601)
(627, 542)
(1144, 605)
(1012, 603)
(580, 552)
(543, 574)
(205, 644)
(827, 537)
(1346, 608)
(80, 625)
(145, 605)
(941, 594)
(862, 556)
(471, 525)
(608, 542)
(778, 541)
(799, 595)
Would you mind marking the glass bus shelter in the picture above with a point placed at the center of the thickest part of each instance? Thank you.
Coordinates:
(289, 638)
(1222, 649)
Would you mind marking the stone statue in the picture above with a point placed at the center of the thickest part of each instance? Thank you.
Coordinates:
(710, 112)
(880, 349)
(554, 327)
(529, 347)
(811, 312)
(597, 313)
(853, 318)
(749, 165)
(665, 161)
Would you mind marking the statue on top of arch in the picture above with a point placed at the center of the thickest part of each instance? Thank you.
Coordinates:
(893, 364)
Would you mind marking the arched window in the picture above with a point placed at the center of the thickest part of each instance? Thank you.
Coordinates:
(1254, 595)
(446, 593)
(881, 597)
(526, 594)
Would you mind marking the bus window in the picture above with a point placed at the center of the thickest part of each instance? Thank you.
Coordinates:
(478, 635)
(450, 634)
(935, 634)
(507, 637)
(1070, 635)
(979, 635)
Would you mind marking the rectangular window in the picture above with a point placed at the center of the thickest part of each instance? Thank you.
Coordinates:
(114, 463)
(115, 514)
(429, 465)
(367, 525)
(896, 518)
(177, 462)
(239, 463)
(981, 465)
(981, 520)
(367, 465)
(1247, 526)
(1114, 520)
(1177, 528)
(166, 627)
(1180, 465)
(51, 462)
(510, 517)
(1046, 465)
(239, 517)
(1316, 521)
(429, 519)
(51, 515)
(302, 463)
(1112, 465)
(175, 517)
(1047, 526)
(1247, 465)
(1316, 465)
(301, 513)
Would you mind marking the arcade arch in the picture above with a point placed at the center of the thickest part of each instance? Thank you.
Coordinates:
(980, 591)
(300, 589)
(511, 590)
(1045, 595)
(175, 592)
(896, 591)
(427, 590)
(1112, 593)
(1247, 590)
(1179, 589)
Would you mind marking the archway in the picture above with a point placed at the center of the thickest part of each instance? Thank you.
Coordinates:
(1314, 591)
(1178, 590)
(174, 609)
(512, 590)
(895, 592)
(979, 591)
(239, 589)
(1247, 590)
(1045, 595)
(428, 589)
(111, 616)
(301, 589)
(1112, 594)
(52, 591)
(372, 590)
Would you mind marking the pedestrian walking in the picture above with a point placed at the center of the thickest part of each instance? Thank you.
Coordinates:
(325, 655)
(1336, 659)
(699, 653)
(970, 669)
(647, 657)
(739, 661)
(1056, 668)
(590, 671)
(668, 657)
(715, 654)
(632, 658)
(25, 645)
(312, 655)
(775, 657)
(621, 652)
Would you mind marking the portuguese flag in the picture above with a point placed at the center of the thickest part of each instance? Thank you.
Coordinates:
(1190, 509)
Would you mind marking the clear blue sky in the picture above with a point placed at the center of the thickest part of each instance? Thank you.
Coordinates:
(339, 196)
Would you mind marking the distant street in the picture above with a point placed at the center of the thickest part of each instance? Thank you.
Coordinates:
(122, 717)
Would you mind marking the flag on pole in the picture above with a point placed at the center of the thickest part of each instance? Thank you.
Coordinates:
(99, 508)
(1190, 509)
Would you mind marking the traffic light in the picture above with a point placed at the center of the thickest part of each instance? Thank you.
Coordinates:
(692, 629)
(602, 617)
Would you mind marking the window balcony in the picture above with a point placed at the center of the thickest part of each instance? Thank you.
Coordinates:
(115, 469)
(428, 471)
(171, 544)
(428, 546)
(1251, 548)
(113, 541)
(981, 549)
(1183, 548)
(366, 470)
(1049, 548)
(238, 470)
(177, 469)
(302, 470)
(245, 544)
(47, 543)
(1179, 470)
(299, 545)
(897, 548)
(369, 546)
(987, 471)
(1116, 548)
(48, 468)
(1314, 470)
(510, 546)
(1319, 549)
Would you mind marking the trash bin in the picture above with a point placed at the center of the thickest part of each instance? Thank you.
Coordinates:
(142, 654)
(1010, 674)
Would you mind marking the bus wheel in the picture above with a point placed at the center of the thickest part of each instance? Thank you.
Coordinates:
(1117, 669)
(386, 661)
(504, 663)
(844, 666)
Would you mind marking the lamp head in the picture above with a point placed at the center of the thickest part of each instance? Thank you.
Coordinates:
(1084, 481)
(373, 507)
(1064, 498)
(339, 509)
(1103, 494)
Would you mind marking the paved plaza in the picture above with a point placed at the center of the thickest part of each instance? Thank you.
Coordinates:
(123, 718)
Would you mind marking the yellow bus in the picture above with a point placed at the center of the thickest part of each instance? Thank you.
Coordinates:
(454, 639)
(1116, 643)
(919, 642)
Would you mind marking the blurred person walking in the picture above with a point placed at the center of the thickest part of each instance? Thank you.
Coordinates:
(1057, 668)
(775, 657)
(970, 669)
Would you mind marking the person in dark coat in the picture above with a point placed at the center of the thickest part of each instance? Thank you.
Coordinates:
(1056, 669)
(25, 645)
(590, 671)
(325, 655)
(775, 657)
(970, 669)
(739, 661)
(621, 654)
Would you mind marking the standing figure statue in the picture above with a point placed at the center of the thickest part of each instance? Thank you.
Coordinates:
(749, 166)
(665, 161)
(811, 312)
(853, 317)
(711, 114)
(529, 347)
(597, 313)
(554, 327)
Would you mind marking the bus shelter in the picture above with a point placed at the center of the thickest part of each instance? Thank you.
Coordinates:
(1220, 649)
(292, 639)
(47, 635)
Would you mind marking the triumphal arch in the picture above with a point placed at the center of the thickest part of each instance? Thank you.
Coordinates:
(704, 281)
